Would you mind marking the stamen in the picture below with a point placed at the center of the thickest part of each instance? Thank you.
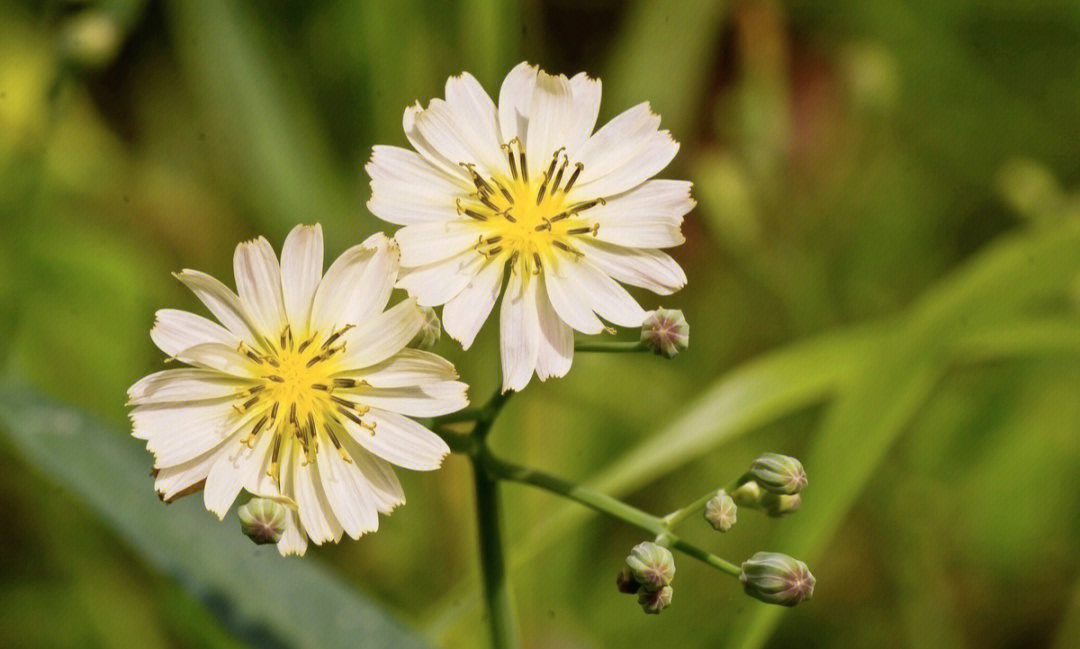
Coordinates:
(594, 228)
(505, 191)
(554, 161)
(524, 166)
(508, 216)
(286, 336)
(581, 207)
(483, 198)
(304, 345)
(491, 240)
(337, 334)
(273, 412)
(275, 378)
(543, 188)
(466, 211)
(274, 471)
(292, 416)
(250, 402)
(558, 176)
(243, 349)
(546, 225)
(250, 437)
(477, 179)
(316, 359)
(491, 253)
(513, 260)
(337, 445)
(563, 246)
(510, 156)
(320, 386)
(273, 361)
(539, 267)
(573, 177)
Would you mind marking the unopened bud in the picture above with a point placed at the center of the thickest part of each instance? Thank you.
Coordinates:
(720, 511)
(665, 332)
(262, 520)
(777, 505)
(626, 582)
(651, 565)
(430, 332)
(777, 579)
(652, 602)
(779, 474)
(748, 494)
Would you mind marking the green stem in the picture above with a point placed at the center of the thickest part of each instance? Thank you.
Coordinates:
(616, 347)
(493, 562)
(679, 515)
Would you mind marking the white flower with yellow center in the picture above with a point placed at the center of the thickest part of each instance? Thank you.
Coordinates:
(528, 186)
(302, 394)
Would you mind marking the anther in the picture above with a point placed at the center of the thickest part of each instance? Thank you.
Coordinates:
(539, 267)
(350, 383)
(273, 412)
(508, 216)
(466, 211)
(274, 473)
(320, 386)
(337, 445)
(491, 253)
(554, 161)
(250, 402)
(581, 207)
(543, 188)
(316, 359)
(273, 361)
(304, 345)
(275, 378)
(546, 225)
(250, 437)
(524, 166)
(483, 198)
(573, 177)
(513, 260)
(505, 191)
(337, 334)
(594, 228)
(558, 176)
(510, 156)
(563, 246)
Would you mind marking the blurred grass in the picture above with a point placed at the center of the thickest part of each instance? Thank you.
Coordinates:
(883, 279)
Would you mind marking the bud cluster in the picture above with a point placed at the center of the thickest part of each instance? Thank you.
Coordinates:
(649, 571)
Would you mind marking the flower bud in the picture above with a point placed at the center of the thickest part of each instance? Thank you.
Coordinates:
(777, 505)
(777, 579)
(430, 332)
(626, 582)
(720, 511)
(748, 494)
(262, 520)
(779, 474)
(651, 565)
(665, 332)
(652, 602)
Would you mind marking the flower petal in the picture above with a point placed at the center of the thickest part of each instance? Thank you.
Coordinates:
(431, 400)
(515, 98)
(399, 440)
(172, 480)
(379, 338)
(177, 433)
(475, 116)
(315, 512)
(552, 109)
(174, 331)
(294, 540)
(603, 295)
(564, 297)
(301, 270)
(556, 351)
(216, 356)
(519, 332)
(406, 188)
(258, 283)
(428, 150)
(222, 302)
(586, 95)
(425, 243)
(644, 267)
(231, 470)
(187, 384)
(624, 153)
(380, 476)
(454, 140)
(407, 368)
(465, 314)
(348, 491)
(357, 285)
(648, 216)
(442, 281)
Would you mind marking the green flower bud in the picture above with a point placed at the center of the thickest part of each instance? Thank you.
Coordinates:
(626, 582)
(654, 601)
(651, 565)
(777, 505)
(779, 474)
(262, 520)
(665, 332)
(430, 332)
(748, 494)
(720, 511)
(777, 579)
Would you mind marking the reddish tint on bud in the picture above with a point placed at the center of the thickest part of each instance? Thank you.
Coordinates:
(780, 474)
(652, 602)
(665, 332)
(777, 579)
(626, 583)
(720, 511)
(651, 565)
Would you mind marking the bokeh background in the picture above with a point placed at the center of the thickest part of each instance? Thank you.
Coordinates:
(883, 268)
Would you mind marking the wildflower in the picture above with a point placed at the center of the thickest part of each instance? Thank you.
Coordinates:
(666, 332)
(527, 188)
(301, 394)
(777, 579)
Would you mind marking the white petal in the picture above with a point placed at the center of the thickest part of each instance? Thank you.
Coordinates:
(556, 351)
(222, 302)
(177, 433)
(405, 203)
(425, 243)
(648, 216)
(465, 314)
(644, 267)
(379, 338)
(564, 297)
(258, 283)
(442, 281)
(380, 476)
(603, 295)
(431, 400)
(406, 368)
(519, 332)
(427, 149)
(216, 356)
(172, 480)
(551, 111)
(452, 139)
(474, 114)
(624, 153)
(347, 491)
(356, 286)
(314, 509)
(175, 331)
(294, 540)
(301, 270)
(515, 97)
(231, 470)
(399, 440)
(586, 95)
(170, 386)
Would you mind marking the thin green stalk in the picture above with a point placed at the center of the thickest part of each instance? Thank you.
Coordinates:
(611, 347)
(679, 515)
(493, 562)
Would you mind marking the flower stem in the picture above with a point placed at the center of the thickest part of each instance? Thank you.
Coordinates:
(679, 515)
(493, 562)
(615, 347)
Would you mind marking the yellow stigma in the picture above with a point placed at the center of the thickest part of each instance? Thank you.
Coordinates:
(301, 394)
(521, 219)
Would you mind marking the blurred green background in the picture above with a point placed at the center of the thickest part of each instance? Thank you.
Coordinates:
(884, 280)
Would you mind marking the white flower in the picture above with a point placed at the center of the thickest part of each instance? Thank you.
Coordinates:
(528, 185)
(301, 395)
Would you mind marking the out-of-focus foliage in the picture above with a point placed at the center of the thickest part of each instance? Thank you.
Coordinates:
(884, 273)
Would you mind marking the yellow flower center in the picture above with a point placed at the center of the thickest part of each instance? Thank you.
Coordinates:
(524, 218)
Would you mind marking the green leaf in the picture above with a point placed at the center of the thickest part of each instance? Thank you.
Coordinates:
(253, 591)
